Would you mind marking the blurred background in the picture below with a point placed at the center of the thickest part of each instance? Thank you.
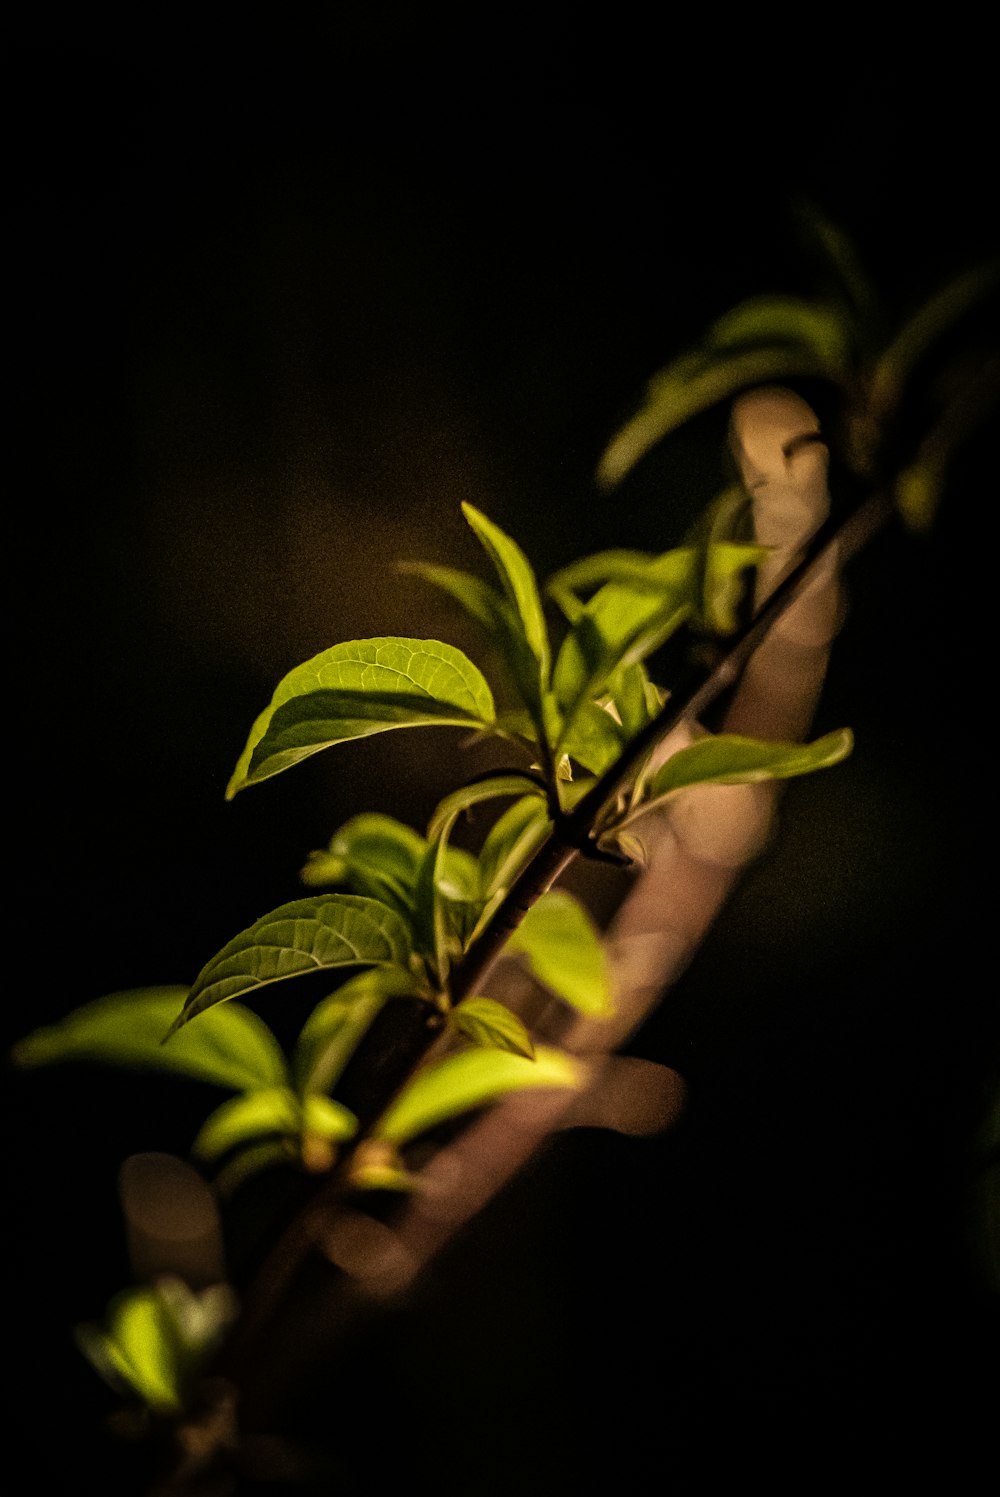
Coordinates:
(283, 299)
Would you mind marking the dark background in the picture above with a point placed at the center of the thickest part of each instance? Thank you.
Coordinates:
(282, 300)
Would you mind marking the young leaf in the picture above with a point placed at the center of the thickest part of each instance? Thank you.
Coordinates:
(594, 739)
(156, 1338)
(308, 935)
(692, 384)
(722, 583)
(590, 572)
(430, 925)
(356, 689)
(519, 583)
(634, 698)
(140, 1349)
(512, 840)
(468, 796)
(489, 1024)
(326, 1118)
(329, 1036)
(232, 1047)
(560, 943)
(819, 329)
(460, 1083)
(621, 624)
(375, 856)
(731, 760)
(252, 1116)
(256, 1115)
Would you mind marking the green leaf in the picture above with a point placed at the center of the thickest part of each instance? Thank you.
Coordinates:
(330, 1035)
(521, 588)
(492, 1026)
(594, 739)
(690, 385)
(257, 1115)
(481, 601)
(308, 935)
(820, 329)
(467, 796)
(243, 1119)
(326, 1118)
(722, 586)
(156, 1338)
(731, 760)
(511, 842)
(634, 697)
(590, 572)
(375, 856)
(140, 1349)
(623, 623)
(431, 929)
(560, 943)
(359, 688)
(231, 1048)
(472, 1079)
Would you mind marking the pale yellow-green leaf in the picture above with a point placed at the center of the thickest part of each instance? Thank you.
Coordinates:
(470, 1080)
(231, 1048)
(486, 1022)
(560, 943)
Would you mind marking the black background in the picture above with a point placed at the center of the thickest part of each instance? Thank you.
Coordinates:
(282, 300)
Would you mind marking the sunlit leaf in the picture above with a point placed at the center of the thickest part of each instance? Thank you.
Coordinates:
(365, 686)
(472, 1079)
(731, 760)
(511, 842)
(594, 739)
(252, 1116)
(493, 788)
(140, 1349)
(308, 935)
(560, 943)
(378, 1165)
(566, 586)
(375, 855)
(723, 586)
(518, 580)
(330, 1035)
(258, 1116)
(327, 1118)
(430, 927)
(488, 1023)
(156, 1338)
(634, 698)
(623, 623)
(232, 1047)
(692, 384)
(521, 590)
